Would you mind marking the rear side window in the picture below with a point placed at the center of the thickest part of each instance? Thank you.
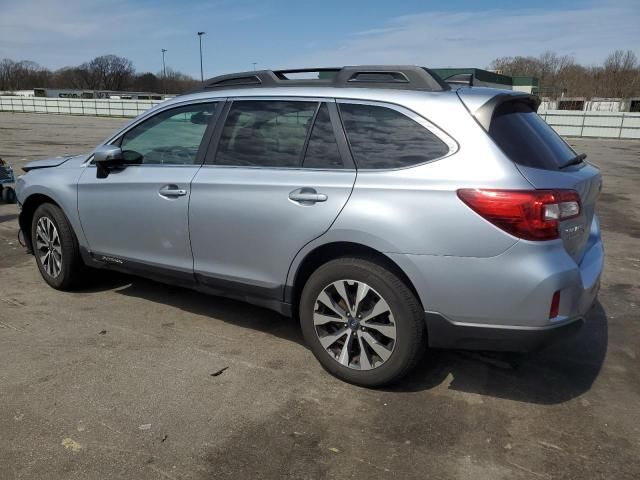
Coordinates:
(527, 139)
(381, 137)
(322, 149)
(265, 133)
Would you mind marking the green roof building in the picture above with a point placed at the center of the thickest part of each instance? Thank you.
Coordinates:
(526, 84)
(484, 78)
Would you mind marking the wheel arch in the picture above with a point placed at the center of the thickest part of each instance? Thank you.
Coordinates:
(330, 251)
(29, 207)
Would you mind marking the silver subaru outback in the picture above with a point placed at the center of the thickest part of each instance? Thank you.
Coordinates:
(384, 209)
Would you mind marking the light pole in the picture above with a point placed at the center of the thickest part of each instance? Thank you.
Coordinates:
(201, 71)
(164, 70)
(254, 65)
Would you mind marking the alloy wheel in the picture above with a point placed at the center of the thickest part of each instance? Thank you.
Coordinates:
(354, 324)
(48, 246)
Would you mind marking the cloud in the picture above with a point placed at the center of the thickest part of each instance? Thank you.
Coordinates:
(57, 33)
(445, 38)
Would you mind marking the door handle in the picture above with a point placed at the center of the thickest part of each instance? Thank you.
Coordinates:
(172, 191)
(307, 196)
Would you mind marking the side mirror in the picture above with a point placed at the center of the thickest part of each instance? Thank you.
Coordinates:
(107, 158)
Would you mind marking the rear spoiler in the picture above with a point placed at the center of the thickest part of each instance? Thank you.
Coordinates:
(460, 80)
(484, 114)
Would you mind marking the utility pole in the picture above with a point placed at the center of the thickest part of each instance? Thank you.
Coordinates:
(201, 71)
(164, 70)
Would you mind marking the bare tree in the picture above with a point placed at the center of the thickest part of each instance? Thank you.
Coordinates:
(70, 77)
(546, 67)
(177, 82)
(517, 65)
(21, 75)
(7, 74)
(619, 76)
(107, 72)
(147, 82)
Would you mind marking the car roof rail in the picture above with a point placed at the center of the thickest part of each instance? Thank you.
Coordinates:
(403, 77)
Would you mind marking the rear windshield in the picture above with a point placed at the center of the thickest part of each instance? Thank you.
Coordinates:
(527, 139)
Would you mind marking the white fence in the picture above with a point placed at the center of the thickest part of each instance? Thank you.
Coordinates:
(76, 106)
(593, 124)
(566, 122)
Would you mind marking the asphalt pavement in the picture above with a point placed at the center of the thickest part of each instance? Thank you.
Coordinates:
(127, 378)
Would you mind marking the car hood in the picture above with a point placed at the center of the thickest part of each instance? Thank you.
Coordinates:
(51, 162)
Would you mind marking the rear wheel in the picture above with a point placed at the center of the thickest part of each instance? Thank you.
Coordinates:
(362, 322)
(55, 247)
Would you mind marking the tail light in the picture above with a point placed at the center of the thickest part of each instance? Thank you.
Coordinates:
(526, 214)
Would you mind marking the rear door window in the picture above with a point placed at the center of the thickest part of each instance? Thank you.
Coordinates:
(322, 149)
(381, 137)
(527, 139)
(265, 133)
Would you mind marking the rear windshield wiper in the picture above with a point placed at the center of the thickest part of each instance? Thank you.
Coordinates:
(575, 160)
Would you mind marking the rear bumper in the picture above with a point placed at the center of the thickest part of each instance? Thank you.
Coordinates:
(513, 289)
(503, 302)
(444, 333)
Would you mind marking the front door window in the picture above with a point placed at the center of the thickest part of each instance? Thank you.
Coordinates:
(171, 137)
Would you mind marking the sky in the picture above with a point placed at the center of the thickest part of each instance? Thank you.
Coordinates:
(312, 33)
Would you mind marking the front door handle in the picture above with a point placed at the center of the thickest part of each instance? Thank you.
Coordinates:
(172, 191)
(307, 196)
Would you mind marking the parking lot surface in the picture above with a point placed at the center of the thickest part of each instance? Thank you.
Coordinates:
(128, 378)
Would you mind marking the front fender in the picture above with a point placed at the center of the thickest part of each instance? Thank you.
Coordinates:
(57, 184)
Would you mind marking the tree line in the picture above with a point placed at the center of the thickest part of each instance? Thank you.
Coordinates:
(617, 77)
(106, 72)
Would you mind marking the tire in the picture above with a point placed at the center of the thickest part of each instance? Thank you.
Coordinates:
(8, 195)
(401, 320)
(67, 267)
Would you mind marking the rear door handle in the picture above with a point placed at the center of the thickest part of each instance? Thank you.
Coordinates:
(307, 196)
(172, 191)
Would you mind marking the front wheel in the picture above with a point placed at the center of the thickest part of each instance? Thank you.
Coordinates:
(362, 322)
(55, 247)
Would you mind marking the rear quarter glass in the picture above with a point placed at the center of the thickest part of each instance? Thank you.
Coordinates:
(382, 138)
(527, 139)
